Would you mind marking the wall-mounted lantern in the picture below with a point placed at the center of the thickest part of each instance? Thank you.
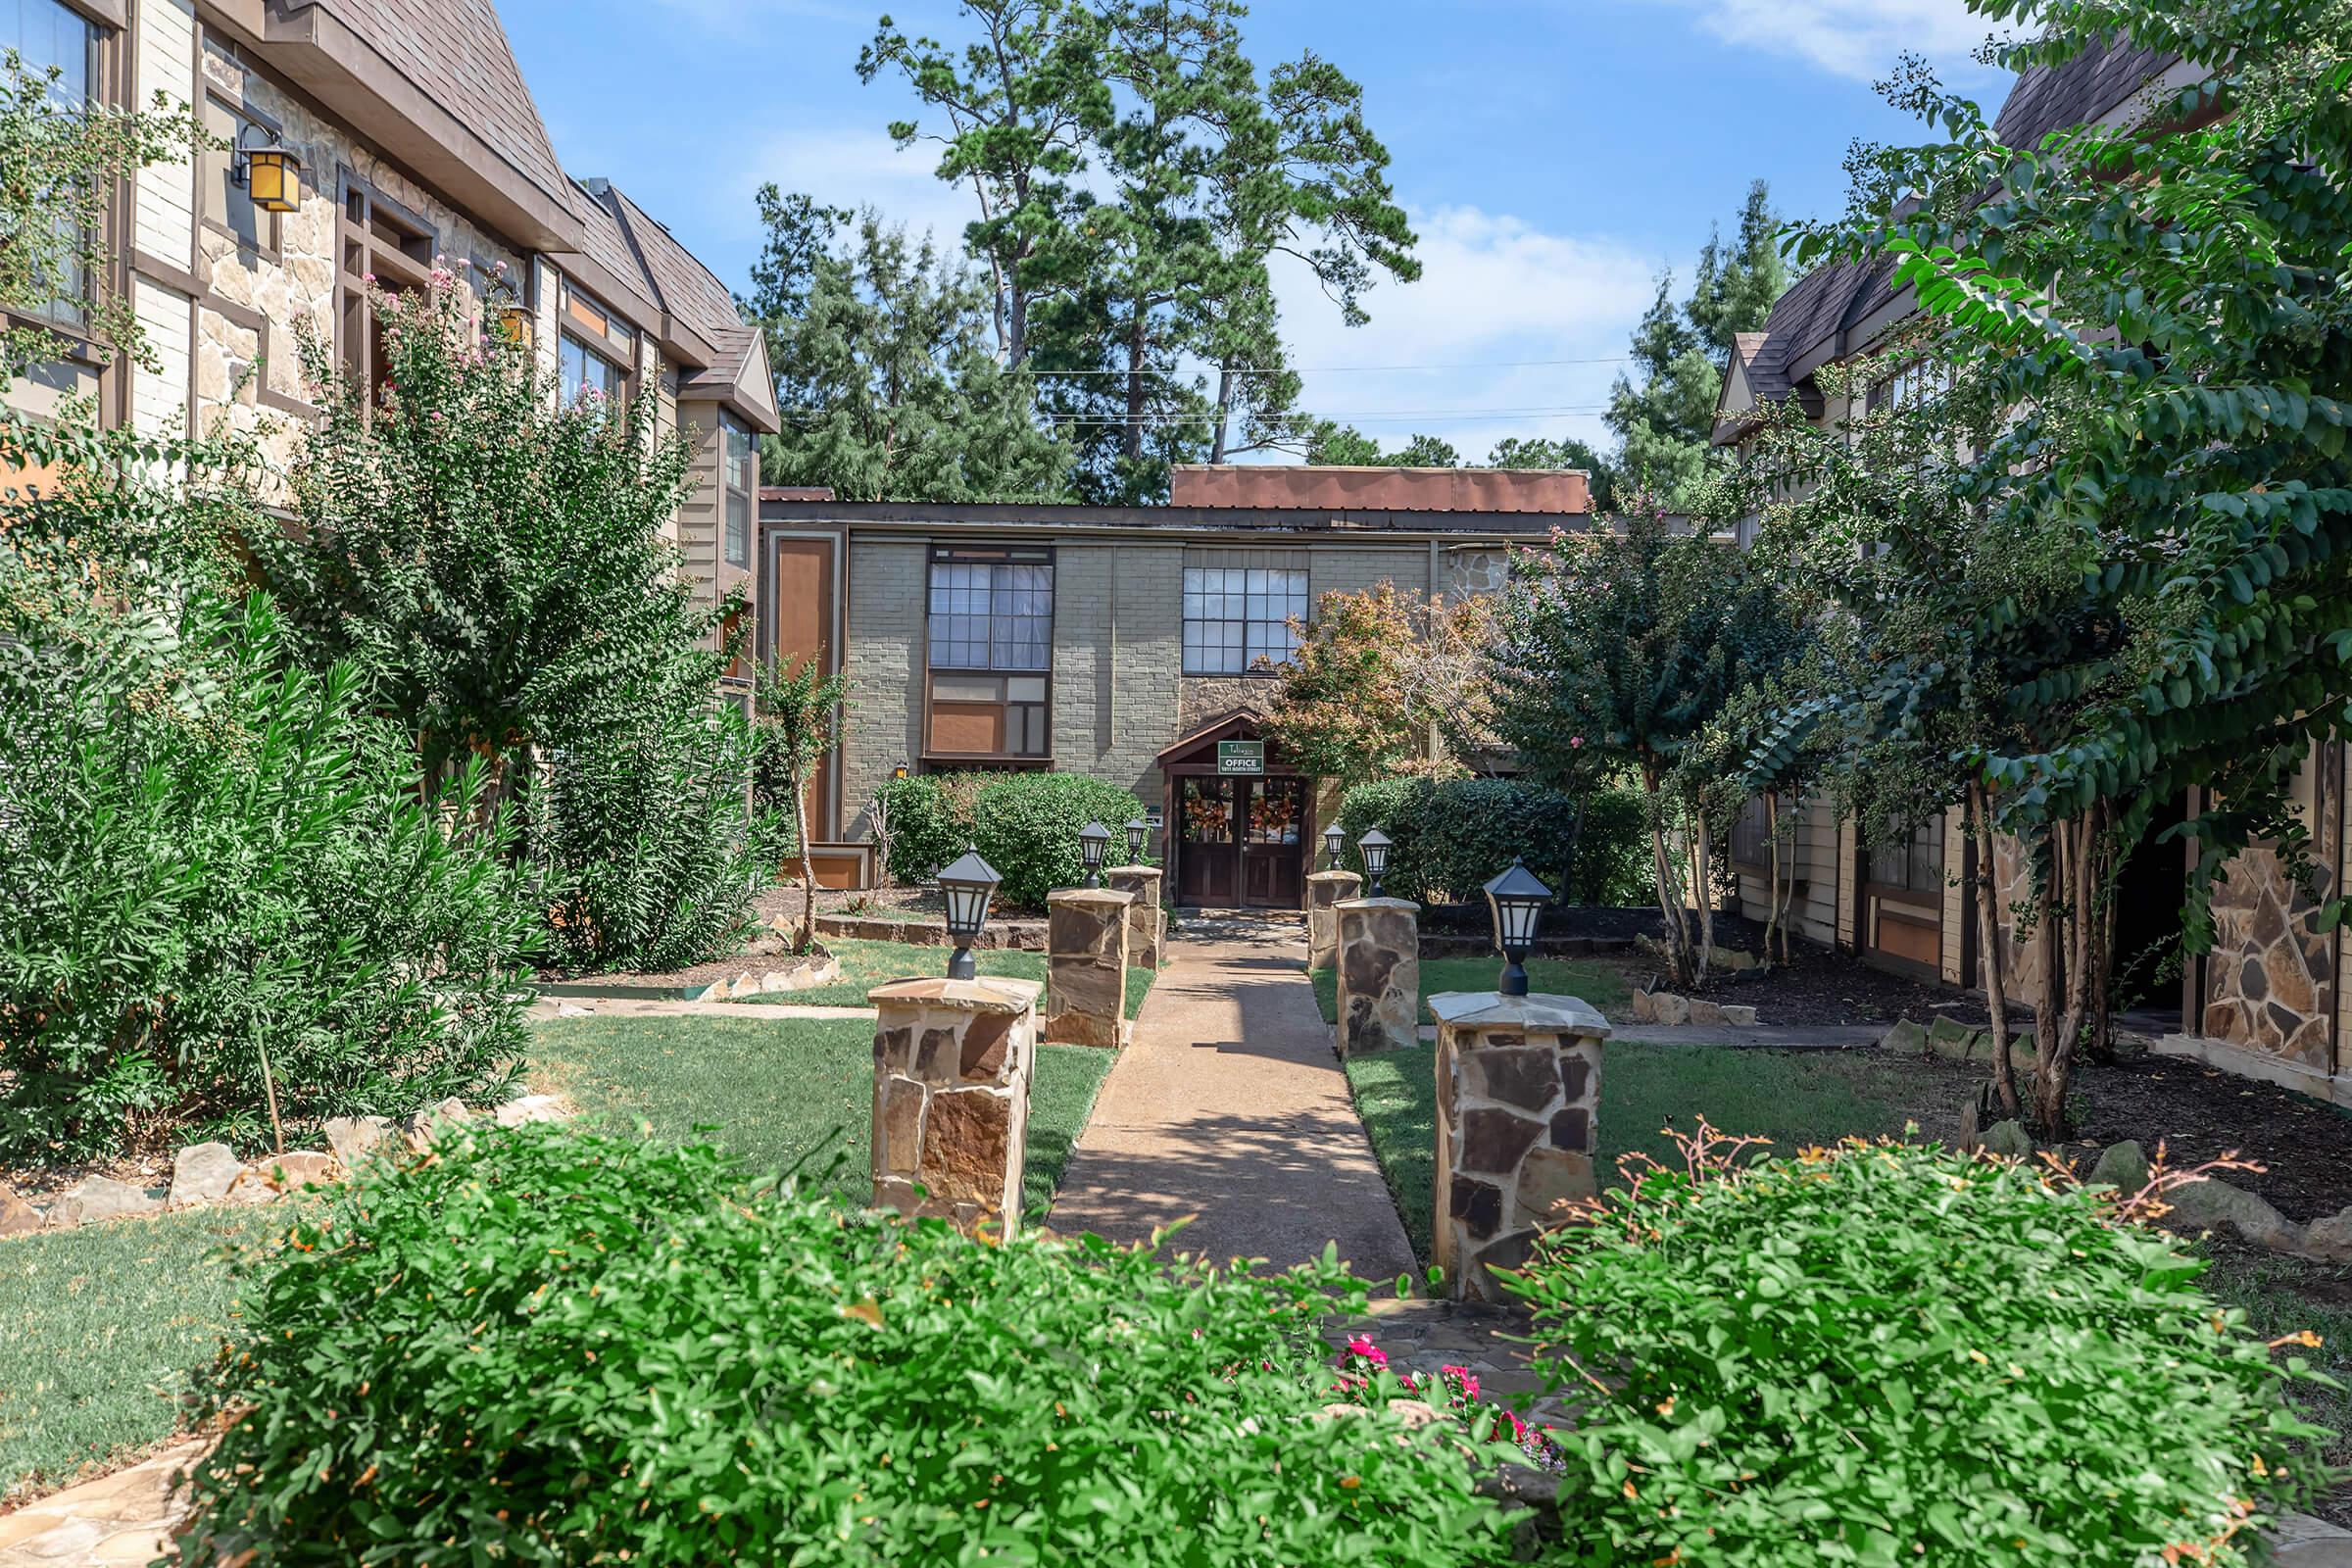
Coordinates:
(267, 169)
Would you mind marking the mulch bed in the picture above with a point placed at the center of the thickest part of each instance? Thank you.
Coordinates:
(2201, 1114)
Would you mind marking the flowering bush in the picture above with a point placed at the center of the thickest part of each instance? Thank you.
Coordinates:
(548, 1346)
(1890, 1353)
(1365, 1376)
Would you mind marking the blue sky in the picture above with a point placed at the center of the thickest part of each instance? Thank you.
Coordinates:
(1554, 156)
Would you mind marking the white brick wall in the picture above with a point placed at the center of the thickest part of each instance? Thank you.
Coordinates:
(159, 403)
(165, 193)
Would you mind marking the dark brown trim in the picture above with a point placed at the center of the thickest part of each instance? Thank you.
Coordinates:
(154, 269)
(268, 398)
(114, 14)
(998, 518)
(944, 554)
(235, 314)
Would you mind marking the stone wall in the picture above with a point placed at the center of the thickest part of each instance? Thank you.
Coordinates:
(1086, 967)
(953, 1061)
(1379, 975)
(2270, 981)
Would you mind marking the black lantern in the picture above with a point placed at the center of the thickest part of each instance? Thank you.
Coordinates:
(1375, 848)
(1517, 898)
(967, 886)
(1137, 828)
(1333, 840)
(1093, 840)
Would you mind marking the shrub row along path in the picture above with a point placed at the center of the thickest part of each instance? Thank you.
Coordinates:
(1230, 1108)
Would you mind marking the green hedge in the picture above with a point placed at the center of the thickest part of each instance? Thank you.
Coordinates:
(1450, 836)
(1025, 824)
(1890, 1353)
(551, 1347)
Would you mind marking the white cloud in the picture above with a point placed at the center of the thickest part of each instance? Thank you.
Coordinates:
(1858, 39)
(1450, 355)
(851, 169)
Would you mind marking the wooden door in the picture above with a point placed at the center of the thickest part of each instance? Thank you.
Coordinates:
(1209, 851)
(1273, 844)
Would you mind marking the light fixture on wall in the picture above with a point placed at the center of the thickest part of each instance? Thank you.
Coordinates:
(514, 322)
(268, 170)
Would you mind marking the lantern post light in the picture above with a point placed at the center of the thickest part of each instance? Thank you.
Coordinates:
(1375, 848)
(1093, 840)
(967, 886)
(1517, 898)
(1137, 828)
(1333, 840)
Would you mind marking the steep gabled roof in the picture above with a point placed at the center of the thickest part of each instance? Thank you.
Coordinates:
(457, 53)
(1837, 298)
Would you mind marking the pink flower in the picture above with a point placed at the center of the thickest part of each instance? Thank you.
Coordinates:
(1365, 1349)
(367, 278)
(1575, 741)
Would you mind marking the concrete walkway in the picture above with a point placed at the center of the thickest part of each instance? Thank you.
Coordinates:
(1230, 1106)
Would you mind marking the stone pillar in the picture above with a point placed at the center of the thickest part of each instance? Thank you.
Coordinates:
(1086, 967)
(951, 1069)
(1146, 921)
(1324, 889)
(1379, 974)
(1518, 1091)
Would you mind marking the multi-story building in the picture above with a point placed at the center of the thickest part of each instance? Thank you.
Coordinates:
(1121, 642)
(411, 137)
(2271, 997)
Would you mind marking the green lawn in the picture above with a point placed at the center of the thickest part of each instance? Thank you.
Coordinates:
(1792, 1097)
(106, 1326)
(777, 1091)
(867, 964)
(1595, 983)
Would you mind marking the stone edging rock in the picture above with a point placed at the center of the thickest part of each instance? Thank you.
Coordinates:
(1028, 936)
(1664, 1006)
(206, 1175)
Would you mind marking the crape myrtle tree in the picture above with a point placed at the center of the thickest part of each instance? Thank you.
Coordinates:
(492, 555)
(2155, 307)
(1619, 648)
(800, 710)
(1387, 682)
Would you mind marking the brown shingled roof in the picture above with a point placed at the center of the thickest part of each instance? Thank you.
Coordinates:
(456, 51)
(2085, 88)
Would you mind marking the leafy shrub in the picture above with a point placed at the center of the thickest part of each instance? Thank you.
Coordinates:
(646, 847)
(1025, 825)
(214, 864)
(1452, 835)
(1890, 1353)
(550, 1346)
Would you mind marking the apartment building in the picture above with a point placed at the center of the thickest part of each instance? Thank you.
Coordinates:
(403, 133)
(2270, 999)
(1120, 642)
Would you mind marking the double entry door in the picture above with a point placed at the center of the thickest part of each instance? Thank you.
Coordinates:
(1240, 841)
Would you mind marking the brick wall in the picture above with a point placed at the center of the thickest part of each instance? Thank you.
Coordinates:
(885, 662)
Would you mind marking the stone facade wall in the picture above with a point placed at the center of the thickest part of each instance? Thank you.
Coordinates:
(1086, 967)
(2270, 981)
(1147, 917)
(1475, 569)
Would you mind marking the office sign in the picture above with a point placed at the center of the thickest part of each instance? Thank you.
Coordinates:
(1242, 759)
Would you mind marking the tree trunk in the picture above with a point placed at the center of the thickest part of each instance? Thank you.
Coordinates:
(1991, 951)
(799, 829)
(2079, 854)
(1670, 903)
(1131, 441)
(1216, 450)
(1703, 853)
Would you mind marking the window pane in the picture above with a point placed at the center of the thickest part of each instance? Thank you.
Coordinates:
(739, 528)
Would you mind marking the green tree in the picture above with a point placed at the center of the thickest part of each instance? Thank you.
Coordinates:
(884, 377)
(1345, 446)
(1663, 410)
(800, 710)
(491, 556)
(1025, 103)
(1620, 649)
(2169, 472)
(1559, 452)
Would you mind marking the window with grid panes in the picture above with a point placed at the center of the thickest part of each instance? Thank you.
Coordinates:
(47, 35)
(740, 458)
(1238, 605)
(991, 643)
(1913, 862)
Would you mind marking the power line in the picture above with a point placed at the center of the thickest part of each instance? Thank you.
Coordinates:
(1352, 369)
